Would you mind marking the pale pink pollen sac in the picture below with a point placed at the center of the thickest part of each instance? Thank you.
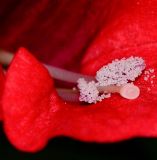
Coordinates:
(116, 77)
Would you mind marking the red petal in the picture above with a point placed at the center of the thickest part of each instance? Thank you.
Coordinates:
(26, 103)
(133, 30)
(62, 29)
(111, 120)
(1, 89)
(33, 113)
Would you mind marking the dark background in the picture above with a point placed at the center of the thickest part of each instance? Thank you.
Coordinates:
(64, 148)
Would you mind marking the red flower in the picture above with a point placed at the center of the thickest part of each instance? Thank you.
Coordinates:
(33, 112)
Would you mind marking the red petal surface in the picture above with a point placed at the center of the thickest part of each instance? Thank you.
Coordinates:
(57, 32)
(26, 103)
(33, 113)
(1, 89)
(134, 29)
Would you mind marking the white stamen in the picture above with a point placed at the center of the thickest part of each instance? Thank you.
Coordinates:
(55, 72)
(115, 77)
(129, 91)
(112, 78)
(89, 91)
(65, 75)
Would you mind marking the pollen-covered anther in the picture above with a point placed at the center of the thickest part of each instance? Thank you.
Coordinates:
(120, 72)
(116, 77)
(89, 92)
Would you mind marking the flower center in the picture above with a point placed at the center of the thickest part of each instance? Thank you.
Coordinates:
(116, 77)
(113, 78)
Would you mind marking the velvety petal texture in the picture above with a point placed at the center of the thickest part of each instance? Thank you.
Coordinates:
(2, 80)
(27, 104)
(57, 32)
(34, 112)
(134, 29)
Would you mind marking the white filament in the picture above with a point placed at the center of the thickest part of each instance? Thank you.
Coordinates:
(65, 75)
(57, 73)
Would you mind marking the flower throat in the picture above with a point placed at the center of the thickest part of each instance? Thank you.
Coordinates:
(115, 77)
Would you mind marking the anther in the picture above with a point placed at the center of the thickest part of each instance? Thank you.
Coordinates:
(116, 77)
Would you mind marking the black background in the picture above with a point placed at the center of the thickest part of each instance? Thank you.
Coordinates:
(65, 148)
